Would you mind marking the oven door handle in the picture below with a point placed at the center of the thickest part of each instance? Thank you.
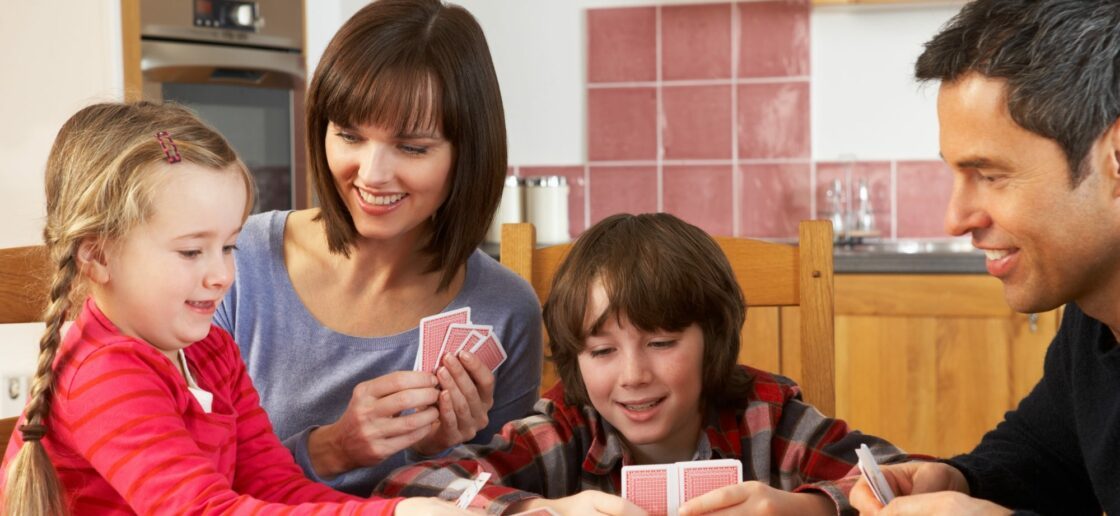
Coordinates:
(166, 61)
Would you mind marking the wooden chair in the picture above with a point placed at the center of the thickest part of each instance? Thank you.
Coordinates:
(24, 277)
(788, 288)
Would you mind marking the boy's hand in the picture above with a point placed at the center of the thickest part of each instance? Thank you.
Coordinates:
(425, 506)
(909, 478)
(754, 497)
(464, 403)
(586, 502)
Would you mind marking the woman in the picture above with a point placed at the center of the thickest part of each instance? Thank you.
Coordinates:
(407, 148)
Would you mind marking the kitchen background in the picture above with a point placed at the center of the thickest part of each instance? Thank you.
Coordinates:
(735, 116)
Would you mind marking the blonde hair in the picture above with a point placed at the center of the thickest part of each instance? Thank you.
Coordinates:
(99, 186)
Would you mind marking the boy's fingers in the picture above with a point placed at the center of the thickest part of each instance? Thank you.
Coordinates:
(725, 496)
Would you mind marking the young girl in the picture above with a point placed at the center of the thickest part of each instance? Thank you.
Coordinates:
(644, 318)
(144, 406)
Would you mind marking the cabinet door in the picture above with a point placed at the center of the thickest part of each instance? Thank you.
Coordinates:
(933, 362)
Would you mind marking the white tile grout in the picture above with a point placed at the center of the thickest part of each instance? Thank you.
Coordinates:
(659, 121)
(736, 180)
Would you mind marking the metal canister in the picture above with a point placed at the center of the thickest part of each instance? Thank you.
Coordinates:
(546, 207)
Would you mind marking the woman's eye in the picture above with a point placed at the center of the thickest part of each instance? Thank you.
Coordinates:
(346, 137)
(414, 149)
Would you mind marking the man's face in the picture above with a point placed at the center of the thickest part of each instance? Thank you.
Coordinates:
(1047, 241)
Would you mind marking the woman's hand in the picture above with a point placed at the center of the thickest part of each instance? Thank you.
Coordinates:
(753, 497)
(464, 404)
(372, 428)
(586, 502)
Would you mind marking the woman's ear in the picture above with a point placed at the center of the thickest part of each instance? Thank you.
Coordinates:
(92, 262)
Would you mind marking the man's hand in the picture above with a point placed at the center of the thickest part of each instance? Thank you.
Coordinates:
(949, 503)
(922, 488)
(371, 428)
(464, 404)
(754, 497)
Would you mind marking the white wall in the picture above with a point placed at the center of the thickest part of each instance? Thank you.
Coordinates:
(57, 57)
(864, 102)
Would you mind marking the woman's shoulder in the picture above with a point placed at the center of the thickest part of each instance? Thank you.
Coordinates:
(493, 280)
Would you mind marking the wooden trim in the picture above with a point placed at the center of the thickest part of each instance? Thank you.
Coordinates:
(777, 263)
(972, 295)
(130, 45)
(7, 428)
(818, 353)
(24, 283)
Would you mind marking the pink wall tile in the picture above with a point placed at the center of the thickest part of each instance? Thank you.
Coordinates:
(697, 122)
(878, 175)
(700, 195)
(577, 188)
(622, 124)
(622, 44)
(773, 120)
(696, 42)
(774, 199)
(774, 38)
(622, 190)
(924, 188)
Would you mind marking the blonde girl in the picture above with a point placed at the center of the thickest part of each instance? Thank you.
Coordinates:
(144, 406)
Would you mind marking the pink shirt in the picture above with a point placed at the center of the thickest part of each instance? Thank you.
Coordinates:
(127, 436)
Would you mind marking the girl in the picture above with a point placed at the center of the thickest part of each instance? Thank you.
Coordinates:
(144, 406)
(407, 150)
(644, 318)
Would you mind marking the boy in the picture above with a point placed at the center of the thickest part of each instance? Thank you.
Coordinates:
(644, 319)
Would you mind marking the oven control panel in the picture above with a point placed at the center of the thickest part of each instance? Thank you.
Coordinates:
(227, 14)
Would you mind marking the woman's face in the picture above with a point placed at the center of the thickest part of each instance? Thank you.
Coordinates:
(390, 183)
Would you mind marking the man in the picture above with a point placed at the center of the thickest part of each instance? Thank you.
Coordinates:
(1029, 107)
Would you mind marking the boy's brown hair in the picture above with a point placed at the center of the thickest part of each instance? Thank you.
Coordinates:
(662, 274)
(414, 66)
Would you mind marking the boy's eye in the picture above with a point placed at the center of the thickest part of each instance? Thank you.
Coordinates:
(663, 343)
(600, 352)
(190, 253)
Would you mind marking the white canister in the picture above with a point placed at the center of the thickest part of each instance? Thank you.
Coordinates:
(546, 206)
(511, 209)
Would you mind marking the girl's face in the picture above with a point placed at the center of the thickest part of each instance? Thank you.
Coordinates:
(391, 184)
(646, 385)
(163, 280)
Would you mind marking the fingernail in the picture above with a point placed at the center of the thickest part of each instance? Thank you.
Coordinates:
(466, 355)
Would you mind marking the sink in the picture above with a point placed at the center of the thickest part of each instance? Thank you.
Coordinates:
(910, 256)
(910, 246)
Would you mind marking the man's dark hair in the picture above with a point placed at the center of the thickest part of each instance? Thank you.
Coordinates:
(1061, 60)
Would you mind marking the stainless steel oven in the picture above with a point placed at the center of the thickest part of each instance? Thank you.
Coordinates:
(238, 64)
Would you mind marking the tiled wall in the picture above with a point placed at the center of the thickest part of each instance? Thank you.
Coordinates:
(703, 111)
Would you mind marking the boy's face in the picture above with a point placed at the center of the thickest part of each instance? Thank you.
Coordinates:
(646, 385)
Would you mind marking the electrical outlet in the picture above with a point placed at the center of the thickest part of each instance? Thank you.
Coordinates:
(13, 393)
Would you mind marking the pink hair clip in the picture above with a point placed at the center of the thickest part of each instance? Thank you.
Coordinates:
(172, 153)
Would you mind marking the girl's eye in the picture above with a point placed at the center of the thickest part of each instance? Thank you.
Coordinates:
(229, 249)
(413, 149)
(191, 253)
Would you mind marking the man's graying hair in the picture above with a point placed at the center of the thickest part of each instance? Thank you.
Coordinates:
(1061, 60)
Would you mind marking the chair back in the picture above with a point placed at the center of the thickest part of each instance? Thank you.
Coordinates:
(24, 280)
(788, 289)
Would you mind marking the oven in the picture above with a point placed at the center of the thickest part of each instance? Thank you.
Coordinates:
(239, 65)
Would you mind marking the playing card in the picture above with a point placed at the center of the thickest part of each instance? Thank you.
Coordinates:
(433, 329)
(456, 336)
(699, 477)
(470, 492)
(490, 351)
(652, 487)
(869, 468)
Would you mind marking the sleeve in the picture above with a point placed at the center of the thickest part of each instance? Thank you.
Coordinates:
(518, 381)
(538, 454)
(126, 420)
(819, 453)
(1032, 460)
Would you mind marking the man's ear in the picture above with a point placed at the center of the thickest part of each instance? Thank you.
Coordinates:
(92, 262)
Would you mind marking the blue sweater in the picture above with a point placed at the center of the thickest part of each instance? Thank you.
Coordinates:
(1059, 451)
(305, 372)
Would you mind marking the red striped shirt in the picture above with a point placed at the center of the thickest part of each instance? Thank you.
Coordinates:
(127, 436)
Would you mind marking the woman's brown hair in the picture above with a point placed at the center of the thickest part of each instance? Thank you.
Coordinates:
(411, 66)
(662, 274)
(100, 182)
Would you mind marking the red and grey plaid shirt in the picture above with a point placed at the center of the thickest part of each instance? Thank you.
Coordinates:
(561, 450)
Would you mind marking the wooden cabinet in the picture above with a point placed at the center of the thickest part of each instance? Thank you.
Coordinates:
(929, 362)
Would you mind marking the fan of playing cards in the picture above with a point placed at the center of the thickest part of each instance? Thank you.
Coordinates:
(451, 332)
(660, 489)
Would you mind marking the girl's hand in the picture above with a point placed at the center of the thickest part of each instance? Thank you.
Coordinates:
(757, 498)
(426, 506)
(464, 404)
(586, 502)
(372, 429)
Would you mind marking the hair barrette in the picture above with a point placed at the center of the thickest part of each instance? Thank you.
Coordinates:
(172, 153)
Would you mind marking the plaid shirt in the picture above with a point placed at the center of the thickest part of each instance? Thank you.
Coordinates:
(561, 450)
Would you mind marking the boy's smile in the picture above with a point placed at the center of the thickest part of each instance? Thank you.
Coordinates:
(645, 384)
